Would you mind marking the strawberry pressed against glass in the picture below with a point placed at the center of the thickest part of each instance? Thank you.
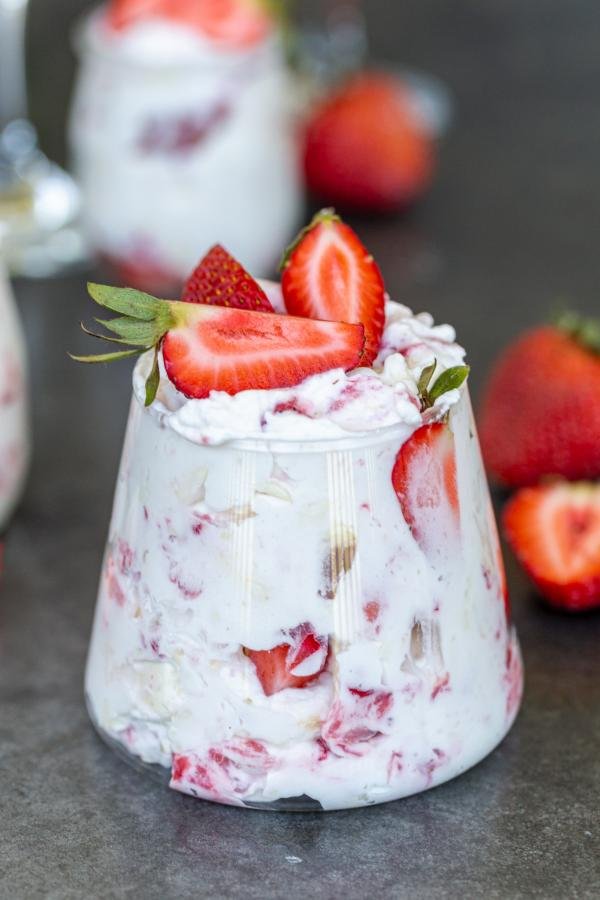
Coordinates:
(302, 604)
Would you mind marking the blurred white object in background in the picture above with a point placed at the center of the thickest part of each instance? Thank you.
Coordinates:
(14, 420)
(179, 143)
(39, 202)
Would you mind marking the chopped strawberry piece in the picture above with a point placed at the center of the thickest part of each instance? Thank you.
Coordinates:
(513, 679)
(424, 478)
(226, 772)
(232, 23)
(330, 275)
(291, 665)
(232, 350)
(114, 589)
(221, 280)
(554, 530)
(356, 719)
(371, 610)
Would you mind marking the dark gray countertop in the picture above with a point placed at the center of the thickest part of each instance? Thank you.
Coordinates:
(510, 227)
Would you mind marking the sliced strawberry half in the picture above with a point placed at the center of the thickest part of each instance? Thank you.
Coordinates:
(291, 665)
(424, 478)
(554, 530)
(231, 350)
(220, 280)
(214, 348)
(329, 274)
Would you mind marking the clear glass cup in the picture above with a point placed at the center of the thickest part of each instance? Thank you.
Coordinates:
(270, 634)
(14, 423)
(213, 140)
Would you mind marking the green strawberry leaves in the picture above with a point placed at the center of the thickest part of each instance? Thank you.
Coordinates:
(143, 323)
(450, 380)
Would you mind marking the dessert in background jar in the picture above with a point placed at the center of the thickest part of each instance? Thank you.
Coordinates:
(182, 128)
(302, 603)
(14, 437)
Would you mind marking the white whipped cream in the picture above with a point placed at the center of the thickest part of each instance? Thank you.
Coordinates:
(329, 405)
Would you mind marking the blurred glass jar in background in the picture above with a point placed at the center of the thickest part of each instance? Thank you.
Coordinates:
(14, 425)
(196, 125)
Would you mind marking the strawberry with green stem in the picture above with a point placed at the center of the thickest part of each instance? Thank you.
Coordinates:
(215, 348)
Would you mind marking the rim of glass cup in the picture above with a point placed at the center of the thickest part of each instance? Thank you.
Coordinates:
(84, 41)
(269, 443)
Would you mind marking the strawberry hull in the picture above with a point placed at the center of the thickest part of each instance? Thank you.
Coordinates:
(271, 629)
(201, 132)
(14, 436)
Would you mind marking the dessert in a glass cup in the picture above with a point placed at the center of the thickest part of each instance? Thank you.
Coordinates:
(14, 431)
(302, 603)
(188, 102)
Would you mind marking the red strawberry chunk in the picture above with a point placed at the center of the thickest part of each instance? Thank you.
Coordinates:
(291, 665)
(221, 280)
(424, 478)
(554, 530)
(223, 349)
(330, 275)
(355, 719)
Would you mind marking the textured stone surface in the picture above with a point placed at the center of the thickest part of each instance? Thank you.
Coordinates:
(505, 233)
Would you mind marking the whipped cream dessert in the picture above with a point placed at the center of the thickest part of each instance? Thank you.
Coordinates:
(14, 440)
(303, 602)
(170, 126)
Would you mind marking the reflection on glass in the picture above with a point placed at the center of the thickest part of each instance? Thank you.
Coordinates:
(38, 200)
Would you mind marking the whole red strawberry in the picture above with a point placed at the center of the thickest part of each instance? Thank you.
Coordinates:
(365, 148)
(540, 413)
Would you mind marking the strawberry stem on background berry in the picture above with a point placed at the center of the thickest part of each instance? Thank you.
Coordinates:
(584, 330)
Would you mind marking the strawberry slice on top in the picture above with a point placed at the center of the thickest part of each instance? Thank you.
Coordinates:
(221, 280)
(328, 274)
(217, 348)
(554, 530)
